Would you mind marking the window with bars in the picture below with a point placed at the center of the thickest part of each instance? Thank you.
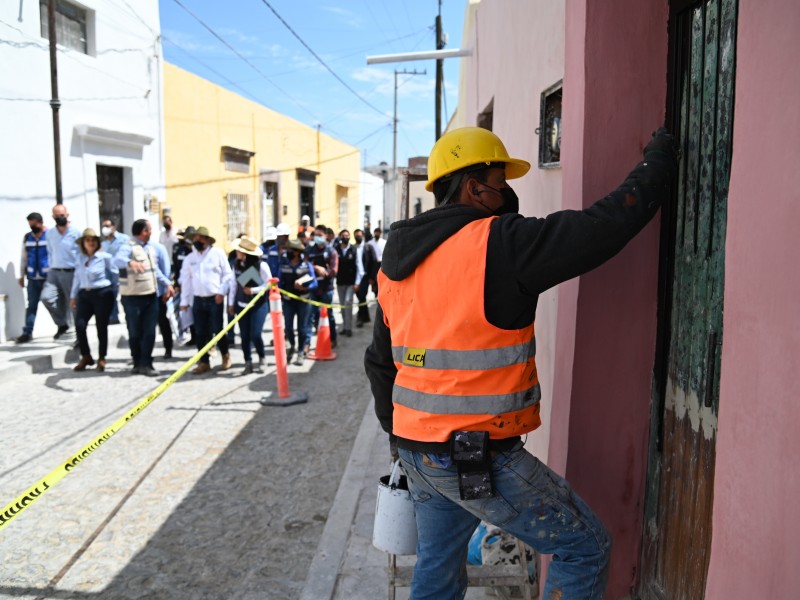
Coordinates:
(71, 25)
(236, 159)
(237, 205)
(549, 130)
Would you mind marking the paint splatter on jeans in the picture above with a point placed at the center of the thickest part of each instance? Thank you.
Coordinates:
(531, 502)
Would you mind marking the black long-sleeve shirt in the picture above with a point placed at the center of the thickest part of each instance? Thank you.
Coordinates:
(524, 257)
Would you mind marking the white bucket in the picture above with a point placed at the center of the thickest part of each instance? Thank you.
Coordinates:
(395, 530)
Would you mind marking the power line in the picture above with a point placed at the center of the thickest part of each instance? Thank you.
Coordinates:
(62, 99)
(241, 56)
(217, 73)
(72, 56)
(322, 62)
(141, 20)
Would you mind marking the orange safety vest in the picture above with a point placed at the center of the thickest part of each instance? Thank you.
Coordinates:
(455, 370)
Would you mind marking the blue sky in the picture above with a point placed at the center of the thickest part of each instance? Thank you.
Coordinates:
(277, 70)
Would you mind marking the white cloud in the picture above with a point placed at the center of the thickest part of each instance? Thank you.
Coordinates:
(345, 16)
(189, 43)
(234, 35)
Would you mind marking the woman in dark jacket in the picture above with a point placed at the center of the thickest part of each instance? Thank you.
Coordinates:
(251, 275)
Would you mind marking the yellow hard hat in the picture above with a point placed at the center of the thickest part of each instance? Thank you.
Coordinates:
(468, 146)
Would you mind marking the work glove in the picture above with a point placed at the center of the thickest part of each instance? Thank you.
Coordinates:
(393, 447)
(664, 142)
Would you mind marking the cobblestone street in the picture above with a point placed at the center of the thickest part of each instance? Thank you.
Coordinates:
(206, 494)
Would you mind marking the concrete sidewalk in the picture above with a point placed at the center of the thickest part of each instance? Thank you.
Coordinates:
(44, 353)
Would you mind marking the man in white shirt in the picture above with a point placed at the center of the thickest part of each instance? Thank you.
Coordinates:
(206, 277)
(168, 237)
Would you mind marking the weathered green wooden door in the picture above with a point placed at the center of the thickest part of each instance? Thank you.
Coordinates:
(677, 520)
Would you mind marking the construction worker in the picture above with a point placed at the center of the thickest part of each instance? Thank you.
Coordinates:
(452, 365)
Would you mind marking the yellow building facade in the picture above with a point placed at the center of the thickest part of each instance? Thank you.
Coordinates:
(236, 166)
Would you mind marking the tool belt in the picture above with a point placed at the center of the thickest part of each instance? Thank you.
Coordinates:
(472, 456)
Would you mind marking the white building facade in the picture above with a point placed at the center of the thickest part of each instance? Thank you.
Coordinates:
(111, 135)
(370, 206)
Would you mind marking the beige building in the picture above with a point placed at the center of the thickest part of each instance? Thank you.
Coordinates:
(236, 166)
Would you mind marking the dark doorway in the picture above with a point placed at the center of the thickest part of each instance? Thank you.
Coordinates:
(110, 196)
(680, 482)
(307, 202)
(307, 180)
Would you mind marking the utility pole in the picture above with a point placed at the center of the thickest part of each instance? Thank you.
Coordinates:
(387, 218)
(394, 121)
(439, 73)
(55, 103)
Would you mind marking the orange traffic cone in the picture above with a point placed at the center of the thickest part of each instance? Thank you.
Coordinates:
(323, 350)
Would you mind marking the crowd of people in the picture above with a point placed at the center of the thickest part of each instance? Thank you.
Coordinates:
(182, 284)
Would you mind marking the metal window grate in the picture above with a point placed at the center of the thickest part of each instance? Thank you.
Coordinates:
(237, 205)
(549, 130)
(70, 25)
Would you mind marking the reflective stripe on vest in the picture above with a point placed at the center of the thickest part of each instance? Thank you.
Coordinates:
(461, 405)
(491, 358)
(455, 370)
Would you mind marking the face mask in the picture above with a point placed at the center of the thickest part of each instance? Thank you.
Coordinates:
(345, 241)
(199, 245)
(167, 226)
(106, 231)
(60, 221)
(319, 239)
(35, 228)
(510, 201)
(359, 239)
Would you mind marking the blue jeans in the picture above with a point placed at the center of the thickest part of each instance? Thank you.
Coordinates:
(250, 327)
(34, 293)
(141, 316)
(531, 502)
(292, 308)
(208, 323)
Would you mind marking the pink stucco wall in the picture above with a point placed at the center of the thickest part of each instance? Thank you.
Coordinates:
(616, 57)
(755, 551)
(518, 51)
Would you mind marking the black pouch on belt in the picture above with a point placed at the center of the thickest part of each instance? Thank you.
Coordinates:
(470, 453)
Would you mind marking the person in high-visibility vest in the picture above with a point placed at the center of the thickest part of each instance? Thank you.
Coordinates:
(452, 361)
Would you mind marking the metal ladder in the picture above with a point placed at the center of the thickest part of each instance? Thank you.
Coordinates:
(498, 577)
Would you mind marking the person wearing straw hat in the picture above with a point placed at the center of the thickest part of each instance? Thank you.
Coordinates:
(251, 275)
(206, 278)
(92, 294)
(452, 361)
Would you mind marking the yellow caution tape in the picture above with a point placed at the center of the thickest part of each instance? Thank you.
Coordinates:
(34, 492)
(320, 304)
